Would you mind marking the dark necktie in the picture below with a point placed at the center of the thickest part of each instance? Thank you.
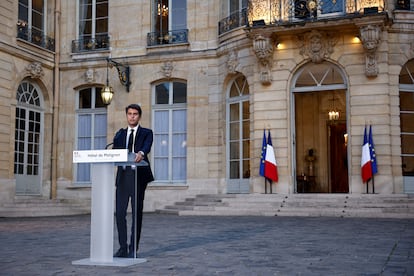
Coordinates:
(130, 140)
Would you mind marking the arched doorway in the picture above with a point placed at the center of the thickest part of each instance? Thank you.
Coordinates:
(319, 127)
(28, 141)
(407, 124)
(238, 136)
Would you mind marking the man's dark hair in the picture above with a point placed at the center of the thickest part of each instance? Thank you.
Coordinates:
(134, 106)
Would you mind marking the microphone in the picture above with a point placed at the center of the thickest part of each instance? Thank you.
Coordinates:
(110, 144)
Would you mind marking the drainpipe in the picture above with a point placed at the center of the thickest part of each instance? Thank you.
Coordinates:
(55, 113)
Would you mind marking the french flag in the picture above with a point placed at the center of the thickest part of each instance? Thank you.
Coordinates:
(270, 169)
(366, 169)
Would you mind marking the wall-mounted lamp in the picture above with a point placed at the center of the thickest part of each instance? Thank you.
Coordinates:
(107, 92)
(123, 74)
(356, 39)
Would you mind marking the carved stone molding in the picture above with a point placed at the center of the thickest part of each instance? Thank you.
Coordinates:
(263, 48)
(167, 69)
(89, 75)
(370, 38)
(232, 62)
(35, 70)
(317, 45)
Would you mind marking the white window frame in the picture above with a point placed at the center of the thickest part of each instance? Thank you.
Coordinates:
(240, 184)
(93, 111)
(31, 182)
(29, 16)
(227, 9)
(170, 107)
(171, 12)
(93, 31)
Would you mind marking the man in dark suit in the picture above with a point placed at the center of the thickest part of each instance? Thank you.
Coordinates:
(138, 140)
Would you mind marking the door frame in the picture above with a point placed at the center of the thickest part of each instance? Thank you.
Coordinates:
(31, 184)
(316, 88)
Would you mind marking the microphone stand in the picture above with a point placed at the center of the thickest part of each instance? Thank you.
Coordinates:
(131, 158)
(135, 214)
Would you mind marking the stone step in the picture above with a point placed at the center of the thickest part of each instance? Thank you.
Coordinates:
(337, 205)
(44, 207)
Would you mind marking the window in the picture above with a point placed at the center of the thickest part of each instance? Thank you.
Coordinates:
(169, 22)
(237, 5)
(233, 14)
(91, 125)
(31, 25)
(170, 132)
(238, 132)
(305, 9)
(32, 13)
(93, 26)
(324, 76)
(332, 7)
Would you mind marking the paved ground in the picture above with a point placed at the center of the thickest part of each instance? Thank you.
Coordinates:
(176, 245)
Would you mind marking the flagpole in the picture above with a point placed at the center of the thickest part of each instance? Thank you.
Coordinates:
(373, 185)
(373, 157)
(367, 186)
(270, 184)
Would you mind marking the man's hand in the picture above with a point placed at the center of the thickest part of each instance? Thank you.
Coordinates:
(139, 156)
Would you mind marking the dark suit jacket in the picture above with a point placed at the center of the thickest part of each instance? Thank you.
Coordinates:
(143, 142)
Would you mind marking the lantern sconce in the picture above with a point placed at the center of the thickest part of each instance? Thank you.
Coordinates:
(124, 77)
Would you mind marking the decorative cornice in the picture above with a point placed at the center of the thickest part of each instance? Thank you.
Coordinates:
(167, 69)
(317, 45)
(35, 70)
(370, 38)
(232, 62)
(89, 75)
(263, 48)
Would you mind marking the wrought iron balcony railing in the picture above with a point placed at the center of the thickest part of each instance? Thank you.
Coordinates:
(170, 37)
(281, 12)
(285, 12)
(235, 20)
(97, 43)
(35, 37)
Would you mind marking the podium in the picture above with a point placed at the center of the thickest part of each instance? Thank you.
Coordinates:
(102, 204)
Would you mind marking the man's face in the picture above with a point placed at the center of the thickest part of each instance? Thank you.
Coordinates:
(132, 117)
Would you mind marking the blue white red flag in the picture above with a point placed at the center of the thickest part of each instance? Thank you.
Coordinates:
(372, 152)
(270, 170)
(366, 168)
(263, 157)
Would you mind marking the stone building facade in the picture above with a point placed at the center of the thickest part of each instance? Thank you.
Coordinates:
(213, 77)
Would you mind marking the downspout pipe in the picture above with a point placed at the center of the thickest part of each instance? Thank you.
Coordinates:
(55, 113)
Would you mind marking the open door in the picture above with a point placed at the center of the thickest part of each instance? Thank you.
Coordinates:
(319, 106)
(338, 158)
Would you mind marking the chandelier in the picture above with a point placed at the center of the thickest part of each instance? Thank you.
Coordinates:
(333, 113)
(162, 10)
